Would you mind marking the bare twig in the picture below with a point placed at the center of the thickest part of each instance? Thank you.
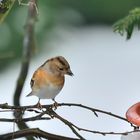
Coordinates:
(6, 106)
(94, 110)
(53, 114)
(68, 123)
(72, 126)
(35, 118)
(35, 132)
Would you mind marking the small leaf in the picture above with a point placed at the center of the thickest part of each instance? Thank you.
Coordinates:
(129, 31)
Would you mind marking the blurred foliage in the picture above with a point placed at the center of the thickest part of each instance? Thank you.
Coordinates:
(126, 25)
(94, 11)
(53, 13)
(5, 7)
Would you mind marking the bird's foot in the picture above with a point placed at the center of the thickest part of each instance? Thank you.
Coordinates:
(39, 106)
(55, 104)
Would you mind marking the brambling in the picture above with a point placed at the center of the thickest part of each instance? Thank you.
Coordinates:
(48, 80)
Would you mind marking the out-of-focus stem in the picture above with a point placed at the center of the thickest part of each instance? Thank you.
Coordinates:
(28, 43)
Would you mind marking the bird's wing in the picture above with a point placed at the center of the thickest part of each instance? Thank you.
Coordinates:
(39, 78)
(32, 82)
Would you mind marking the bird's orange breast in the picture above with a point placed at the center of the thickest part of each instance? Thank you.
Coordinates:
(43, 78)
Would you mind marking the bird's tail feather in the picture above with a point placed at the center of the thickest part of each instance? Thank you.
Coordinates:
(30, 94)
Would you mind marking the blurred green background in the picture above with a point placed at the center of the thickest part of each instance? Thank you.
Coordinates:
(54, 13)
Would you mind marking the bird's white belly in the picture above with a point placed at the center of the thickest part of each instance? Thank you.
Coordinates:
(47, 92)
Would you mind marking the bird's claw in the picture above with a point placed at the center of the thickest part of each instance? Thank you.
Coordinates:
(39, 106)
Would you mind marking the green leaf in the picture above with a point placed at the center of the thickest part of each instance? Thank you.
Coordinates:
(126, 25)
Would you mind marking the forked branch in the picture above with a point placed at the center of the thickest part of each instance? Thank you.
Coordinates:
(48, 113)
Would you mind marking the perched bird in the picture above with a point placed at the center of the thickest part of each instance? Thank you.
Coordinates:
(49, 78)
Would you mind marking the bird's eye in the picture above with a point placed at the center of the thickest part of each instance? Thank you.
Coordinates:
(61, 69)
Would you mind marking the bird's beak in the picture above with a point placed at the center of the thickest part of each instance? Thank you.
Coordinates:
(70, 73)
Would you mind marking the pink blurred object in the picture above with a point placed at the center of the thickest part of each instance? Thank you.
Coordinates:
(133, 114)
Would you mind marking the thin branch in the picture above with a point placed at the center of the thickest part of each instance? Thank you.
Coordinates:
(36, 118)
(34, 132)
(68, 123)
(6, 106)
(93, 110)
(53, 114)
(71, 125)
